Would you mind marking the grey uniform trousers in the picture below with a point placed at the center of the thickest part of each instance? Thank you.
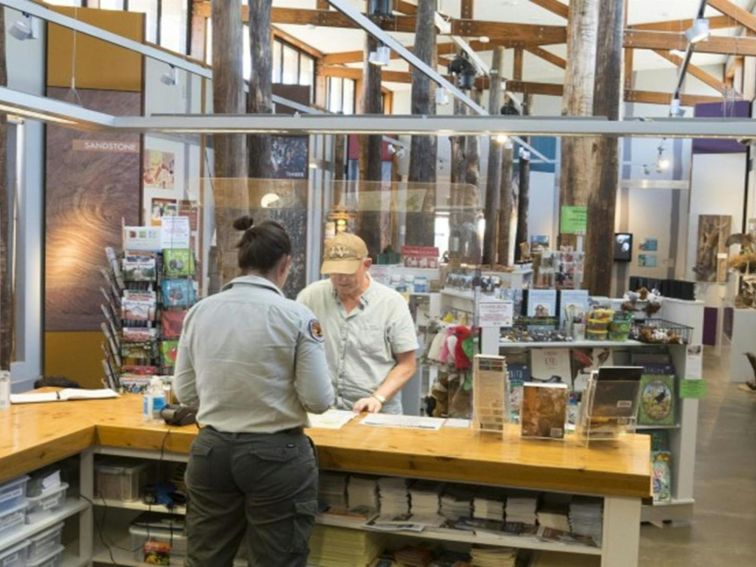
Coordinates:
(262, 485)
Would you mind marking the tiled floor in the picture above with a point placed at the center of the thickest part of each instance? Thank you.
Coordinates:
(723, 530)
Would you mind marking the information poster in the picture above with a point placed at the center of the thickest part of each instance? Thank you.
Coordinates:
(496, 313)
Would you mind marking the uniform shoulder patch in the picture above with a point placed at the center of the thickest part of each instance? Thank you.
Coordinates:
(316, 331)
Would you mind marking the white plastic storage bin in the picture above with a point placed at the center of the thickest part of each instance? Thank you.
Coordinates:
(140, 535)
(13, 519)
(15, 556)
(52, 559)
(46, 502)
(119, 481)
(13, 493)
(45, 542)
(43, 480)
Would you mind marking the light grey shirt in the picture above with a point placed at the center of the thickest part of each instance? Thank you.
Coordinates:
(251, 360)
(361, 346)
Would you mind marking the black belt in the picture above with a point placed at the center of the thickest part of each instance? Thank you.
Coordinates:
(241, 434)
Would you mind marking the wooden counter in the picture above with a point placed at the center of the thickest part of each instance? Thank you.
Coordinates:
(37, 434)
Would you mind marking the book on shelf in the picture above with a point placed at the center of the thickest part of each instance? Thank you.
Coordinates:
(661, 471)
(63, 395)
(178, 293)
(573, 303)
(139, 267)
(657, 400)
(541, 303)
(178, 262)
(544, 410)
(168, 353)
(171, 322)
(550, 365)
(586, 360)
(519, 373)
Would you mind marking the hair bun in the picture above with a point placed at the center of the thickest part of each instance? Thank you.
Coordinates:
(244, 223)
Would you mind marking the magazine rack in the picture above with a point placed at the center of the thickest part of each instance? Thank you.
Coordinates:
(609, 410)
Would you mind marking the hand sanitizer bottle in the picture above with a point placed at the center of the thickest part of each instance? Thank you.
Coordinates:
(153, 400)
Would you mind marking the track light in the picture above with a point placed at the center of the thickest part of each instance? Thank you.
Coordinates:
(381, 56)
(502, 139)
(27, 27)
(442, 96)
(699, 31)
(170, 77)
(674, 109)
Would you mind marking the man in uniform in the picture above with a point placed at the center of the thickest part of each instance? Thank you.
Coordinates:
(370, 337)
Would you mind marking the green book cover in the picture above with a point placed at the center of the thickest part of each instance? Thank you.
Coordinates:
(168, 351)
(178, 262)
(657, 400)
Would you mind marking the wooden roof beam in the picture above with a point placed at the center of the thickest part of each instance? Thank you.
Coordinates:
(743, 17)
(649, 97)
(695, 71)
(404, 7)
(548, 56)
(553, 6)
(715, 23)
(638, 39)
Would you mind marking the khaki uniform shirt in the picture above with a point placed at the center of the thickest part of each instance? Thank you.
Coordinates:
(251, 360)
(361, 346)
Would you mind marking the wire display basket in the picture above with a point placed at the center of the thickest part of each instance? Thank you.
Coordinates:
(661, 331)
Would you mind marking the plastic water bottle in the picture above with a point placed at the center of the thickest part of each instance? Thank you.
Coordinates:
(5, 388)
(153, 400)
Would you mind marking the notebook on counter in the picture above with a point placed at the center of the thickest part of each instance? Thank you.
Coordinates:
(63, 395)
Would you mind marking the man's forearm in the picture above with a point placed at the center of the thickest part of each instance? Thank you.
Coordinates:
(398, 376)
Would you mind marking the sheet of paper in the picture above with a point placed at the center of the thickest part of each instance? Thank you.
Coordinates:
(403, 421)
(457, 423)
(331, 419)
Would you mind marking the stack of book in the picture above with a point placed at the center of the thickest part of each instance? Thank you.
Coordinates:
(393, 496)
(457, 501)
(493, 556)
(521, 507)
(332, 491)
(342, 547)
(553, 512)
(488, 504)
(586, 517)
(362, 494)
(424, 496)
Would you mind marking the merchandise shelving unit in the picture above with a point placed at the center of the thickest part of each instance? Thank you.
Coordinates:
(682, 434)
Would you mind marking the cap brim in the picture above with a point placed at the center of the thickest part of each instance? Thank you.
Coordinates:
(340, 266)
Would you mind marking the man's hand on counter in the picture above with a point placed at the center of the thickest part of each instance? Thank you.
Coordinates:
(369, 404)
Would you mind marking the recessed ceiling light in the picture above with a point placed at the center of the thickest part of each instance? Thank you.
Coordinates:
(484, 39)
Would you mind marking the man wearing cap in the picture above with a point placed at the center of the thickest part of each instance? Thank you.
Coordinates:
(370, 337)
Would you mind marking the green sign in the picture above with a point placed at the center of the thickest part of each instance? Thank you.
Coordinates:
(693, 388)
(574, 220)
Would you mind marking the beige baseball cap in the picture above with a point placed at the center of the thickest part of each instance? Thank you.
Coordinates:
(343, 254)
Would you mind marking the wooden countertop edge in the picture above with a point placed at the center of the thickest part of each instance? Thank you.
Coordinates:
(47, 452)
(452, 469)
